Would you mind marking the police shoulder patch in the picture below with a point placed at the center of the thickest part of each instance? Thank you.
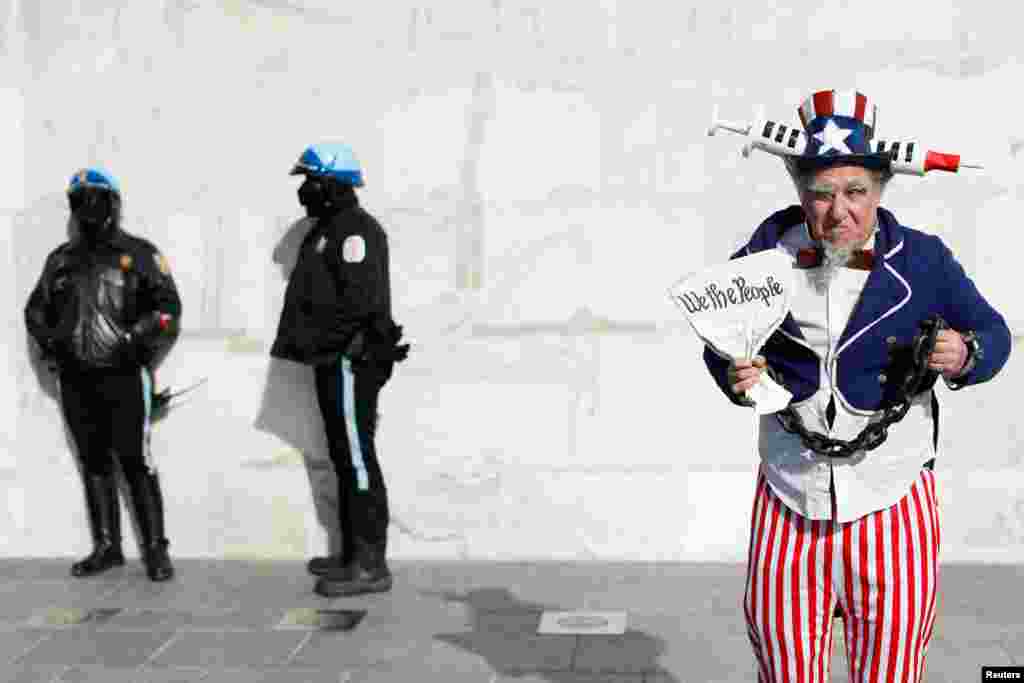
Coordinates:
(161, 263)
(353, 249)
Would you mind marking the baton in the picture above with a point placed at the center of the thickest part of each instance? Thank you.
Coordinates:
(162, 399)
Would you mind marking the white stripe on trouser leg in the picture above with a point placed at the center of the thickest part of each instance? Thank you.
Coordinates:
(750, 599)
(888, 570)
(790, 592)
(888, 625)
(351, 428)
(910, 599)
(932, 566)
(147, 425)
(795, 587)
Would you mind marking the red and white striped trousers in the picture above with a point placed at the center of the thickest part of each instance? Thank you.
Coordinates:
(880, 571)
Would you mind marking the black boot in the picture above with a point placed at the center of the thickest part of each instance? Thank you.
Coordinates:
(149, 510)
(319, 566)
(105, 521)
(368, 573)
(338, 564)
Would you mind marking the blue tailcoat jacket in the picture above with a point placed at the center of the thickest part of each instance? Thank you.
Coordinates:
(914, 276)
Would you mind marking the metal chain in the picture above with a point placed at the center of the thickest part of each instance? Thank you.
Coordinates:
(875, 434)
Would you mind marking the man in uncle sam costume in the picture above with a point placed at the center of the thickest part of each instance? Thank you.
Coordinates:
(845, 519)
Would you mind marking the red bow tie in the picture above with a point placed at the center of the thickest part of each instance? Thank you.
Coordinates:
(812, 257)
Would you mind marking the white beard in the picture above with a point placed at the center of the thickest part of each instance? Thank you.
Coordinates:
(833, 259)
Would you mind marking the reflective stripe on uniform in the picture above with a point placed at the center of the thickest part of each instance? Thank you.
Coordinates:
(348, 402)
(147, 402)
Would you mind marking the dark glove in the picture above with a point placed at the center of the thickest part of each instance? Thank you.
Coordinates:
(382, 347)
(392, 350)
(400, 353)
(151, 325)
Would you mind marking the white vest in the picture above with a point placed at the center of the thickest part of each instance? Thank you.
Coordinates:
(867, 481)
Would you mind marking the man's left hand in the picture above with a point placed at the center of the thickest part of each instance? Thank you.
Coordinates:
(949, 355)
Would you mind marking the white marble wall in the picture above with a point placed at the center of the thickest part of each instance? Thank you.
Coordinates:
(543, 172)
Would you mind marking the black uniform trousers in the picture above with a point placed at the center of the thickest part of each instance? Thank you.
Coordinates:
(106, 409)
(347, 393)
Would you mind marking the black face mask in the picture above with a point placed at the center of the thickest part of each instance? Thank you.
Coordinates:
(93, 208)
(313, 194)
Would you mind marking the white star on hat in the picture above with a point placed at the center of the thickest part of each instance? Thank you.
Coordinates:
(833, 137)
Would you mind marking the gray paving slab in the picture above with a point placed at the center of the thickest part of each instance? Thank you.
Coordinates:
(970, 629)
(53, 617)
(269, 675)
(571, 677)
(449, 621)
(98, 674)
(230, 649)
(646, 587)
(509, 653)
(667, 678)
(47, 569)
(982, 591)
(1013, 643)
(673, 592)
(506, 621)
(133, 619)
(20, 598)
(358, 649)
(393, 627)
(85, 647)
(193, 588)
(715, 648)
(400, 609)
(14, 644)
(436, 662)
(254, 618)
(952, 661)
(839, 666)
(21, 672)
(633, 652)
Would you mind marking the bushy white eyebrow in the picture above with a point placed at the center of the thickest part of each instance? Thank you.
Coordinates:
(824, 187)
(821, 188)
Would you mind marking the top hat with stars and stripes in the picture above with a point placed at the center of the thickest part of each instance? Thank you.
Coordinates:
(839, 125)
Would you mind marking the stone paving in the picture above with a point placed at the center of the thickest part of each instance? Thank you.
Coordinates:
(231, 621)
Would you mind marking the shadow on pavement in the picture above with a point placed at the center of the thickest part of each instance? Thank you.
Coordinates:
(505, 635)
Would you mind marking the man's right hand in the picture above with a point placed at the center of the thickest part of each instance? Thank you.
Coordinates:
(745, 373)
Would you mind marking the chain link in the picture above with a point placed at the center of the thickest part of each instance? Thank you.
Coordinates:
(875, 434)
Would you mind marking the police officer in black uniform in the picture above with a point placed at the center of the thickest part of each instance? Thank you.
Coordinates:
(337, 318)
(104, 313)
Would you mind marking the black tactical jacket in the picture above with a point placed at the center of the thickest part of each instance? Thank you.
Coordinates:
(105, 304)
(338, 298)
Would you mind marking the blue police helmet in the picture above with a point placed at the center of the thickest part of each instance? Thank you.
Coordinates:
(330, 159)
(94, 176)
